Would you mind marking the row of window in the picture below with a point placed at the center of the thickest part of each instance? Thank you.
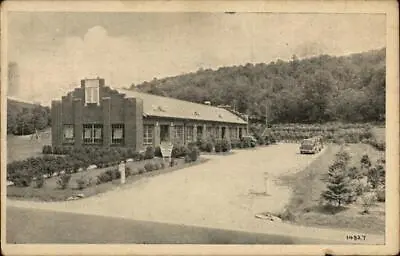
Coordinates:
(93, 133)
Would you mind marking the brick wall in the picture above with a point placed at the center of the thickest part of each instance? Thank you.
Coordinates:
(114, 108)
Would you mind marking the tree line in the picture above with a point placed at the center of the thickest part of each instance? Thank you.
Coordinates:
(317, 89)
(23, 119)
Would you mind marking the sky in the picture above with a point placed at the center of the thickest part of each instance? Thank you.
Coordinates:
(54, 51)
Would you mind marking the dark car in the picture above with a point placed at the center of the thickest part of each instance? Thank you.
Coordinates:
(311, 146)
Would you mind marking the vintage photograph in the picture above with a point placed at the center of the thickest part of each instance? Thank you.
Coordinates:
(195, 128)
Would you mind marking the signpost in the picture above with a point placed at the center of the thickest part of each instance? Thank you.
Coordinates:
(166, 150)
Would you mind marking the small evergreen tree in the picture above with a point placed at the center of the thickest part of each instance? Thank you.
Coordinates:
(355, 173)
(338, 188)
(376, 175)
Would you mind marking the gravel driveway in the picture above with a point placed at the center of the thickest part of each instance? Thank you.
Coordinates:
(225, 192)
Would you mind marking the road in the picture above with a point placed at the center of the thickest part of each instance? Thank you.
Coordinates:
(225, 193)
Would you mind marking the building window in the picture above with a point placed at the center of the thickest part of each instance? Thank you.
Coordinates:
(232, 133)
(199, 132)
(93, 133)
(117, 134)
(216, 132)
(209, 131)
(148, 135)
(92, 91)
(189, 133)
(68, 132)
(179, 133)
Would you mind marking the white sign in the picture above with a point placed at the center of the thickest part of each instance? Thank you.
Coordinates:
(166, 149)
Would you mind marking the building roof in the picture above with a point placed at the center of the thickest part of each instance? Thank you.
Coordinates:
(160, 106)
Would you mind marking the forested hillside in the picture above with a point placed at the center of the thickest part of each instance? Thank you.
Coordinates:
(318, 89)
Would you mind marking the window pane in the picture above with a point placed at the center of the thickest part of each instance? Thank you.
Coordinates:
(97, 133)
(87, 133)
(148, 135)
(117, 134)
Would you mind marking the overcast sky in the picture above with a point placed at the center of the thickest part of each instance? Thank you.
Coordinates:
(55, 50)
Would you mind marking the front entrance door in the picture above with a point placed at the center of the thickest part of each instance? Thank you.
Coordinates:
(164, 133)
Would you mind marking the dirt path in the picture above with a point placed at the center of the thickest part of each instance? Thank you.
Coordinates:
(221, 193)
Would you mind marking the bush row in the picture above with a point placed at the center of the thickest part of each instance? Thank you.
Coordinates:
(379, 145)
(70, 160)
(347, 135)
(320, 127)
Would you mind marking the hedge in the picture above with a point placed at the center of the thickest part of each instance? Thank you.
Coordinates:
(70, 160)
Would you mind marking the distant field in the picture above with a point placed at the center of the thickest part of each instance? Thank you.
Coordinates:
(22, 147)
(308, 185)
(379, 133)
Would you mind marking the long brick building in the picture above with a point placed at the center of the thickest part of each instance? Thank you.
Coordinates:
(96, 114)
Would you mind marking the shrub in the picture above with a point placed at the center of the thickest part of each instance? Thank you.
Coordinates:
(374, 176)
(209, 146)
(188, 159)
(47, 149)
(355, 173)
(193, 154)
(162, 165)
(128, 171)
(261, 140)
(246, 143)
(115, 174)
(365, 162)
(149, 153)
(381, 194)
(179, 151)
(367, 200)
(39, 182)
(141, 170)
(104, 177)
(149, 167)
(63, 180)
(82, 183)
(218, 146)
(156, 166)
(21, 178)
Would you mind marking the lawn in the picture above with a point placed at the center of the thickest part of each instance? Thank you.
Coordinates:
(304, 207)
(22, 147)
(51, 192)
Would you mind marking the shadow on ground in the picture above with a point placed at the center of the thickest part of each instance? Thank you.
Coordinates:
(39, 226)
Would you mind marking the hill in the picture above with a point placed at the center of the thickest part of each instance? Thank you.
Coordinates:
(317, 89)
